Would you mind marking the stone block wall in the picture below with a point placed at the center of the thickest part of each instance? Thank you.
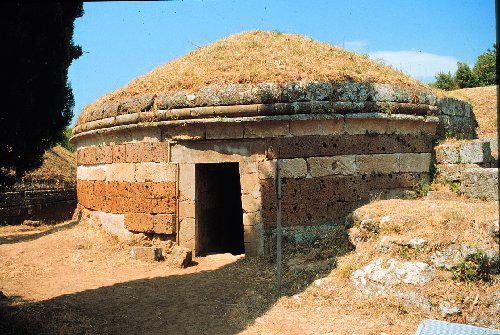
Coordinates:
(46, 205)
(456, 119)
(144, 179)
(471, 165)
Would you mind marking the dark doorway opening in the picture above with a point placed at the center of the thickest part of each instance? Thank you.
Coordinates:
(219, 214)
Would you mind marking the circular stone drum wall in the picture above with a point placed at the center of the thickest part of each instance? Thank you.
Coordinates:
(140, 178)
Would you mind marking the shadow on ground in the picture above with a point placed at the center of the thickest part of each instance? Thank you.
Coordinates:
(221, 301)
(16, 238)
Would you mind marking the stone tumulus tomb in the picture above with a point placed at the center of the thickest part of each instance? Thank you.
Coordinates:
(188, 151)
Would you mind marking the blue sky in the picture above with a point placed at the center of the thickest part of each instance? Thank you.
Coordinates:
(123, 40)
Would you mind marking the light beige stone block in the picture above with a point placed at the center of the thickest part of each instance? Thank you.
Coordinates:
(184, 131)
(224, 130)
(120, 172)
(266, 129)
(250, 204)
(447, 154)
(317, 127)
(155, 172)
(187, 187)
(187, 209)
(293, 168)
(252, 233)
(250, 184)
(414, 162)
(252, 219)
(327, 166)
(405, 127)
(217, 152)
(187, 230)
(267, 169)
(248, 167)
(378, 163)
(97, 172)
(289, 168)
(355, 126)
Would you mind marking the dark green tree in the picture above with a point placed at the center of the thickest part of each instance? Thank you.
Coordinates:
(485, 67)
(464, 76)
(445, 81)
(37, 43)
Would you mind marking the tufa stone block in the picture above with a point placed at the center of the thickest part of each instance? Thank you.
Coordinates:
(180, 257)
(148, 254)
(327, 166)
(447, 154)
(378, 163)
(414, 162)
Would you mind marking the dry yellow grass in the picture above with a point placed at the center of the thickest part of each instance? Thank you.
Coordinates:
(58, 166)
(484, 102)
(260, 56)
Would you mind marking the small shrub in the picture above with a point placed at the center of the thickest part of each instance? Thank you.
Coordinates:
(422, 188)
(473, 268)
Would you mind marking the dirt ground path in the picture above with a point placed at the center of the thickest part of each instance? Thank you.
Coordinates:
(73, 279)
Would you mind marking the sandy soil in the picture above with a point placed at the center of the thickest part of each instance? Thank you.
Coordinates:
(73, 279)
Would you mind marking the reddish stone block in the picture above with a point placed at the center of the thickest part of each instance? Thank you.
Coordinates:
(164, 224)
(139, 222)
(104, 155)
(159, 151)
(133, 152)
(118, 153)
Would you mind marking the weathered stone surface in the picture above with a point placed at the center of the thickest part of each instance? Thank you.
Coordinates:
(252, 219)
(481, 183)
(155, 172)
(120, 172)
(223, 130)
(380, 275)
(327, 166)
(317, 127)
(180, 257)
(91, 172)
(250, 184)
(447, 154)
(410, 162)
(148, 254)
(456, 119)
(293, 168)
(216, 152)
(187, 229)
(475, 152)
(450, 256)
(248, 167)
(187, 189)
(389, 243)
(184, 132)
(326, 199)
(356, 126)
(446, 309)
(249, 203)
(187, 209)
(379, 163)
(139, 222)
(266, 129)
(164, 224)
(112, 223)
(319, 146)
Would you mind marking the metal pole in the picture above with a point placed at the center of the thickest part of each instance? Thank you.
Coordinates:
(278, 228)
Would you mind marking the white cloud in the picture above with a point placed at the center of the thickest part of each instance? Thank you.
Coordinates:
(355, 45)
(420, 65)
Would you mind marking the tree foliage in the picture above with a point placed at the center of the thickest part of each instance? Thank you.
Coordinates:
(464, 76)
(37, 106)
(485, 67)
(445, 81)
(484, 73)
